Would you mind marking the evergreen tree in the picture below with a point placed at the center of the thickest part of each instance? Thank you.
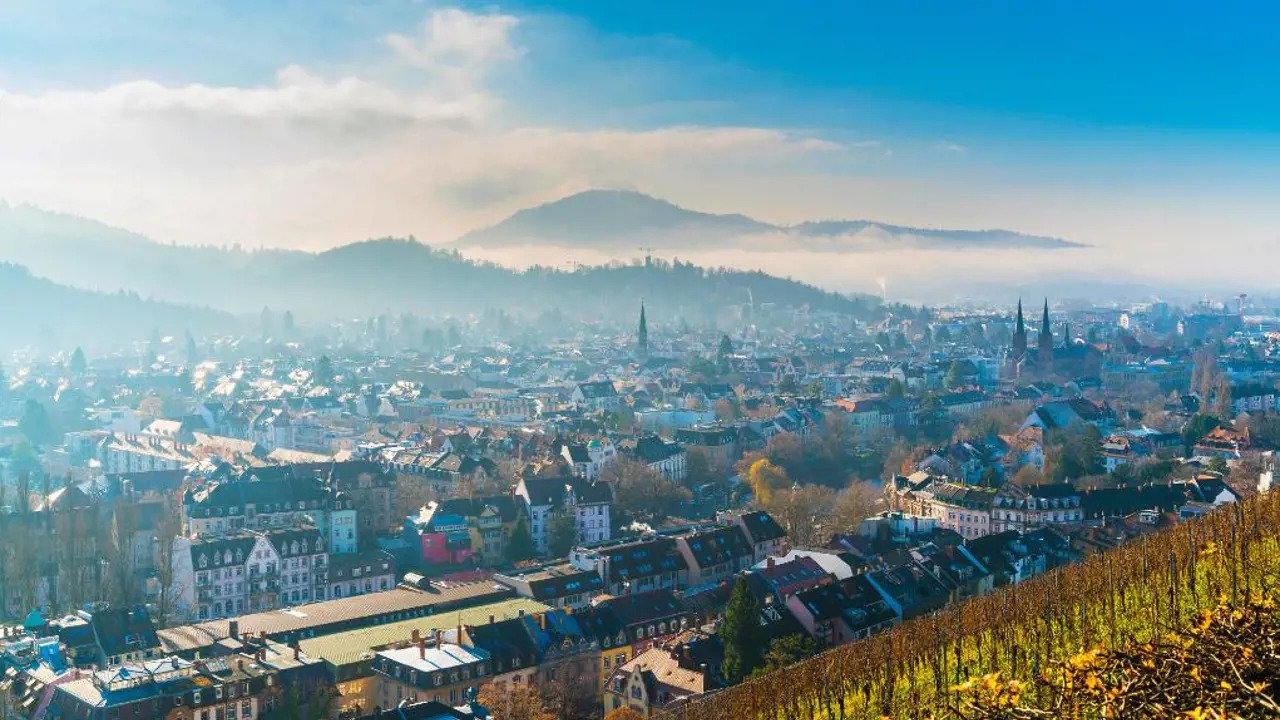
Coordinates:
(562, 535)
(78, 364)
(740, 633)
(520, 544)
(324, 372)
(193, 352)
(954, 375)
(35, 424)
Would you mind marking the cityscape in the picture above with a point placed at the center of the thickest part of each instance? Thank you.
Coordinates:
(400, 361)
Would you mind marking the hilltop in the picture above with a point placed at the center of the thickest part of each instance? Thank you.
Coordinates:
(619, 219)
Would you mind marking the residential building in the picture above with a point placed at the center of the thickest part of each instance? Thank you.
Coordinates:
(438, 671)
(634, 566)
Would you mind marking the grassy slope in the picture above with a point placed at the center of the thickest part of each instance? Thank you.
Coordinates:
(1135, 593)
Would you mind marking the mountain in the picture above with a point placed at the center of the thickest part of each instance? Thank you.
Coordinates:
(612, 219)
(377, 276)
(41, 313)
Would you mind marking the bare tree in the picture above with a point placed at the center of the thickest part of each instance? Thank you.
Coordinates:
(168, 530)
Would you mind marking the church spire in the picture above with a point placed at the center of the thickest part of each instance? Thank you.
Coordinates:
(1020, 335)
(1046, 340)
(642, 339)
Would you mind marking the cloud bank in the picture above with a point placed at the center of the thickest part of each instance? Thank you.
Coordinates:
(417, 142)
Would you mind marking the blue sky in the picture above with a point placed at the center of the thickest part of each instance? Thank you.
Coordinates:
(1124, 125)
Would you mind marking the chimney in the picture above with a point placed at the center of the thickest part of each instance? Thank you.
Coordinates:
(542, 621)
(768, 563)
(234, 628)
(240, 664)
(521, 612)
(490, 619)
(439, 637)
(416, 635)
(422, 649)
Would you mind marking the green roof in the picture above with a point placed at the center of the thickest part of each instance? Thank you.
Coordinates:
(355, 646)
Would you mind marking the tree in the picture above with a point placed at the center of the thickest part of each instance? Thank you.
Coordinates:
(740, 633)
(520, 544)
(641, 492)
(562, 535)
(895, 390)
(1223, 406)
(1197, 427)
(623, 713)
(78, 365)
(785, 449)
(323, 375)
(1028, 476)
(151, 406)
(804, 512)
(765, 478)
(1218, 464)
(726, 410)
(857, 502)
(168, 530)
(193, 351)
(788, 386)
(785, 652)
(509, 701)
(35, 424)
(955, 376)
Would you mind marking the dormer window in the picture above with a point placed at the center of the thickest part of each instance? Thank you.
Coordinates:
(204, 562)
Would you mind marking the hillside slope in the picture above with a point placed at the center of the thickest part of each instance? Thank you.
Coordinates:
(38, 313)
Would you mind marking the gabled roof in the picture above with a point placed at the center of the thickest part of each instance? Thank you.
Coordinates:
(761, 527)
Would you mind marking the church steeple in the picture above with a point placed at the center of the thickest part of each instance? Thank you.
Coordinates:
(1020, 335)
(642, 339)
(1045, 340)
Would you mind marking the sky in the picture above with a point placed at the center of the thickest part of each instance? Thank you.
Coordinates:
(1146, 130)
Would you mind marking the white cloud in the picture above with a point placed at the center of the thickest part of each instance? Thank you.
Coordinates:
(946, 146)
(313, 160)
(454, 37)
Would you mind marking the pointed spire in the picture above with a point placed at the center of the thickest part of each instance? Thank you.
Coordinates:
(642, 338)
(1044, 324)
(1022, 327)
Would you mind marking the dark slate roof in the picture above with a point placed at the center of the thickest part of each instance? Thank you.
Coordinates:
(645, 607)
(506, 641)
(717, 545)
(578, 453)
(762, 527)
(643, 559)
(121, 630)
(562, 584)
(505, 506)
(216, 549)
(652, 449)
(283, 541)
(599, 389)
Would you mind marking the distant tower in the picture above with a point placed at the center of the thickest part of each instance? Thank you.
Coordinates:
(1066, 334)
(1046, 340)
(642, 341)
(1019, 336)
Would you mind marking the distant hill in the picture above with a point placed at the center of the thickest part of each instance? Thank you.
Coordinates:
(613, 218)
(610, 219)
(379, 276)
(40, 313)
